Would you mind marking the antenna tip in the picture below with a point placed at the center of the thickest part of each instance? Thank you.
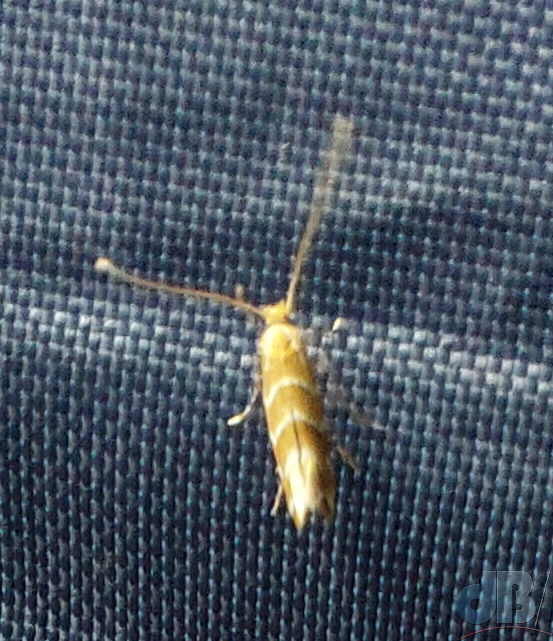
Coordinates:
(103, 265)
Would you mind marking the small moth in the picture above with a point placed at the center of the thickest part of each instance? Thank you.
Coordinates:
(293, 406)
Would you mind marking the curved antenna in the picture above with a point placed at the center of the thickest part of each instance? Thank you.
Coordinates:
(105, 266)
(333, 157)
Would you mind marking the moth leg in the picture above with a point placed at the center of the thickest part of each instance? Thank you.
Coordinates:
(338, 396)
(240, 418)
(278, 499)
(239, 292)
(347, 457)
(323, 361)
(361, 419)
(317, 336)
(338, 324)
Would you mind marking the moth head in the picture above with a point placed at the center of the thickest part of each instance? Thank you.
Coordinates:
(277, 313)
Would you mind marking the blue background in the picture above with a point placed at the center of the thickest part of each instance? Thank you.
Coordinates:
(181, 139)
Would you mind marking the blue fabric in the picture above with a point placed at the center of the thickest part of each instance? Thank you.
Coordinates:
(181, 139)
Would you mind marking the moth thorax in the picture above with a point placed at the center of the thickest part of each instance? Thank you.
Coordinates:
(277, 313)
(281, 341)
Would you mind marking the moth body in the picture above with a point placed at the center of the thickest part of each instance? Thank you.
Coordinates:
(292, 403)
(294, 413)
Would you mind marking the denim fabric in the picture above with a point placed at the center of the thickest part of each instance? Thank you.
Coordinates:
(181, 138)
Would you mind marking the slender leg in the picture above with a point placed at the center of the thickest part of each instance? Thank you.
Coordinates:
(239, 292)
(323, 361)
(317, 337)
(347, 458)
(240, 418)
(278, 499)
(339, 396)
(362, 419)
(338, 324)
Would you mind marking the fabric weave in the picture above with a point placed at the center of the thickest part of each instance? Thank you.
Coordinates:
(181, 139)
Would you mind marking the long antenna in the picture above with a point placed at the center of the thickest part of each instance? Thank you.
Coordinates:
(334, 155)
(107, 267)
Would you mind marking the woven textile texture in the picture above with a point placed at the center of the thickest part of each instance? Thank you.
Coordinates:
(181, 138)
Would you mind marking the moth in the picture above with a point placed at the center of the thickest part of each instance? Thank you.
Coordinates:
(293, 404)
